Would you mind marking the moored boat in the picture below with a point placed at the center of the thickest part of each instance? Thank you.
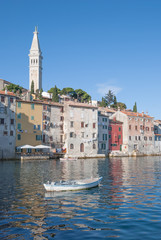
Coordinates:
(73, 185)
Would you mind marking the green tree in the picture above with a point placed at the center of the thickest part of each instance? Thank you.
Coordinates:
(66, 91)
(135, 107)
(109, 98)
(14, 88)
(121, 105)
(40, 94)
(114, 105)
(82, 96)
(32, 87)
(55, 97)
(103, 103)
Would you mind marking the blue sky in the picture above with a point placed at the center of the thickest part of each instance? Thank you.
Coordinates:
(95, 45)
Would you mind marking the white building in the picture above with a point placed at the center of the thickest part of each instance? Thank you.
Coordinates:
(80, 129)
(35, 63)
(7, 125)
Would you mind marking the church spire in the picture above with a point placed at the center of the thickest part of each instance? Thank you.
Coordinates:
(35, 63)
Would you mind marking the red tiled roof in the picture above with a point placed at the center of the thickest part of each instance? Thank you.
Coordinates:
(76, 104)
(136, 114)
(8, 93)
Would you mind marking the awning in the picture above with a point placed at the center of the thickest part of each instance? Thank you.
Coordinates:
(26, 146)
(41, 147)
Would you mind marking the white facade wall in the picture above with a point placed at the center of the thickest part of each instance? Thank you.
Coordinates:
(53, 121)
(7, 127)
(80, 130)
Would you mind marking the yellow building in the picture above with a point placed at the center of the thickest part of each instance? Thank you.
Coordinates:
(28, 123)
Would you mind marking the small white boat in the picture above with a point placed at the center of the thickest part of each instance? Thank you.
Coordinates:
(73, 184)
(68, 158)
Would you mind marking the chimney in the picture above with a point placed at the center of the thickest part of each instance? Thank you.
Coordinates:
(143, 114)
(5, 90)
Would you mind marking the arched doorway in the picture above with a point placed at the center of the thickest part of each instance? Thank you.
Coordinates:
(82, 147)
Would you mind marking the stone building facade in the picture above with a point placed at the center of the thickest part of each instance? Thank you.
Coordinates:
(7, 125)
(103, 136)
(80, 129)
(138, 132)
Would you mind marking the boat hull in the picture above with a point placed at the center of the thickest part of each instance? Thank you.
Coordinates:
(77, 185)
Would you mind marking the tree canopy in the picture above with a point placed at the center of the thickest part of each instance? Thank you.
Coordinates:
(14, 88)
(135, 107)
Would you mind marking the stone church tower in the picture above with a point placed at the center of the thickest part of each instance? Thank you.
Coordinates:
(35, 63)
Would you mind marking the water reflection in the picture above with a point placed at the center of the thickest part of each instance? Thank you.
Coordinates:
(127, 201)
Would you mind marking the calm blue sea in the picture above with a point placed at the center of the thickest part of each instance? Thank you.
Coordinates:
(127, 204)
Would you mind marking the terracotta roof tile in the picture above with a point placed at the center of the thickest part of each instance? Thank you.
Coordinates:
(8, 93)
(136, 114)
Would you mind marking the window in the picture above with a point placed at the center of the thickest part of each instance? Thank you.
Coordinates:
(119, 129)
(82, 134)
(109, 136)
(81, 147)
(2, 99)
(110, 128)
(18, 136)
(136, 138)
(2, 109)
(34, 127)
(11, 133)
(104, 126)
(19, 104)
(82, 124)
(104, 137)
(136, 128)
(94, 135)
(61, 118)
(61, 127)
(32, 117)
(94, 125)
(12, 121)
(147, 128)
(119, 136)
(150, 138)
(71, 146)
(141, 127)
(38, 137)
(71, 124)
(129, 127)
(61, 109)
(45, 107)
(38, 127)
(71, 134)
(94, 146)
(145, 138)
(1, 120)
(19, 126)
(11, 100)
(139, 138)
(32, 106)
(19, 115)
(103, 146)
(152, 129)
(5, 133)
(130, 138)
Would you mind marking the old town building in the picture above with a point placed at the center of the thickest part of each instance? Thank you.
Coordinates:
(115, 135)
(7, 124)
(138, 131)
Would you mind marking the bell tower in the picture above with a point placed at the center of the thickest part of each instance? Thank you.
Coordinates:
(35, 63)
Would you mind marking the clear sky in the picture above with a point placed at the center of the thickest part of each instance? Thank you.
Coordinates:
(95, 45)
